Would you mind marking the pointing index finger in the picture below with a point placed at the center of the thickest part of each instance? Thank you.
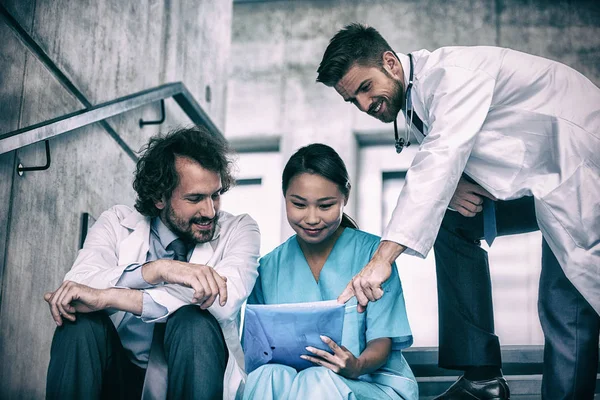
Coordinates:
(347, 294)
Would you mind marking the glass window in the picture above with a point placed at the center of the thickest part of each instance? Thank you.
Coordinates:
(258, 194)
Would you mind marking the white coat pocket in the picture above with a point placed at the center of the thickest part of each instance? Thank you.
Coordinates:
(575, 204)
(496, 160)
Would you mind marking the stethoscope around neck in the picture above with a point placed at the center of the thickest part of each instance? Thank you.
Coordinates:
(404, 141)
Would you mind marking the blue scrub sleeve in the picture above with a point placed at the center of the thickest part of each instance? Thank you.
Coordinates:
(257, 297)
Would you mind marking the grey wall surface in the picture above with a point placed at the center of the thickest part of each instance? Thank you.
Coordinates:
(107, 49)
(277, 47)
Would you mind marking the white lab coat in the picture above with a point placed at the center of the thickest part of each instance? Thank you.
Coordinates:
(519, 125)
(121, 237)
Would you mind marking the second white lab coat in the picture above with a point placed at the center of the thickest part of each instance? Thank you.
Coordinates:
(121, 237)
(519, 125)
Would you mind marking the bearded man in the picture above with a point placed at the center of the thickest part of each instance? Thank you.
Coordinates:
(508, 143)
(151, 305)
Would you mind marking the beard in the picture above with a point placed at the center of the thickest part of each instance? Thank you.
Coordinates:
(395, 101)
(183, 228)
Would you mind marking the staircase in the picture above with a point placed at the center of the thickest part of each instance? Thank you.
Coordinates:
(522, 368)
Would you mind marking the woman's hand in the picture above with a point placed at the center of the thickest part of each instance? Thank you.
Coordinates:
(342, 361)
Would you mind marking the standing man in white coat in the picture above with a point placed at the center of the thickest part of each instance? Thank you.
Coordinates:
(493, 124)
(159, 289)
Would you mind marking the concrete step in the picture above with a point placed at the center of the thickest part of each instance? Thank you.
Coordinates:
(516, 360)
(528, 385)
(521, 386)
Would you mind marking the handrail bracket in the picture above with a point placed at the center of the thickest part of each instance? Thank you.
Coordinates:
(21, 169)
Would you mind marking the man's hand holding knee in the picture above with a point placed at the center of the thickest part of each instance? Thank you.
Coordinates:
(71, 298)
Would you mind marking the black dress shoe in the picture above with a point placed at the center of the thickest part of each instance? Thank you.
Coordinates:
(464, 389)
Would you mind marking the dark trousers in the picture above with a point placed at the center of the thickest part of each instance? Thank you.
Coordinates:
(466, 317)
(87, 360)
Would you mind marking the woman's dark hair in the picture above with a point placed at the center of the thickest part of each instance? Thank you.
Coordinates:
(319, 159)
(354, 44)
(156, 176)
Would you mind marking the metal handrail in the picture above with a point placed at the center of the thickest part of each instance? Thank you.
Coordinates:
(78, 119)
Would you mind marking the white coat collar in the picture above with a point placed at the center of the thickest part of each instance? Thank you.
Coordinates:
(133, 219)
(415, 100)
(133, 248)
(405, 63)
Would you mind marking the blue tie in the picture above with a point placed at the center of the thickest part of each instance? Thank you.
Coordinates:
(489, 221)
(179, 248)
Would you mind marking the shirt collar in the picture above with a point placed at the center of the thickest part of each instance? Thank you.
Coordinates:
(405, 62)
(165, 235)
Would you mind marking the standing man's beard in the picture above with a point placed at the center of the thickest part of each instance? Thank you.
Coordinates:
(395, 103)
(184, 228)
(396, 100)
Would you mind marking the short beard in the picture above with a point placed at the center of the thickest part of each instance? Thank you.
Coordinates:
(183, 229)
(396, 102)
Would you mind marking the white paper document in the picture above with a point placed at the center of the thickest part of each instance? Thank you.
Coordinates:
(280, 333)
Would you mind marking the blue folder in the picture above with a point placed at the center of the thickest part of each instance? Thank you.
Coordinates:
(280, 333)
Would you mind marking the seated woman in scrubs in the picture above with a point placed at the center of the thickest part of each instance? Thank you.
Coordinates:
(315, 265)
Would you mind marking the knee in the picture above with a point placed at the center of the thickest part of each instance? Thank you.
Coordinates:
(274, 371)
(314, 380)
(88, 331)
(277, 374)
(267, 369)
(313, 374)
(84, 327)
(192, 318)
(190, 323)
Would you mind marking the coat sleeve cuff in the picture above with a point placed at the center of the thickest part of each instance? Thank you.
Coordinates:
(132, 278)
(151, 310)
(413, 247)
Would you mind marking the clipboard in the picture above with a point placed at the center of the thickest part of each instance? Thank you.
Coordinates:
(280, 333)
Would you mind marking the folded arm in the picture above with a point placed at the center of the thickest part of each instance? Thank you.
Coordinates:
(237, 268)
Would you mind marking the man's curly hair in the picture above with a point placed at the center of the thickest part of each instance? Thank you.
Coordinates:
(155, 174)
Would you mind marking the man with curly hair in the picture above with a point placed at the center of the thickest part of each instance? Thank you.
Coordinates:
(151, 305)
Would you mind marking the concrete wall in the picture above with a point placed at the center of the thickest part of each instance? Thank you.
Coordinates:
(107, 49)
(277, 47)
